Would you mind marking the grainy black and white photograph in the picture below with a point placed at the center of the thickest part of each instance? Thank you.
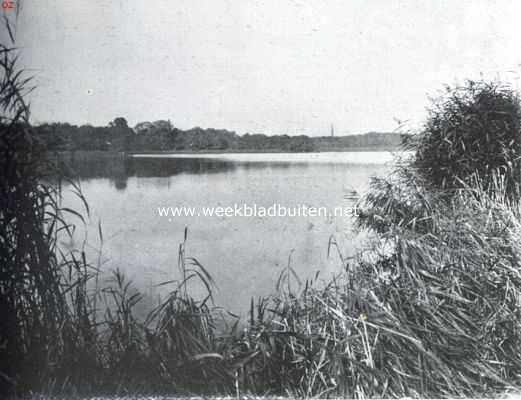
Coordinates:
(260, 199)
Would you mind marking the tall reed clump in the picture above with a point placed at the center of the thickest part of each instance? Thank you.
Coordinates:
(435, 310)
(452, 219)
(182, 333)
(58, 332)
(37, 283)
(174, 350)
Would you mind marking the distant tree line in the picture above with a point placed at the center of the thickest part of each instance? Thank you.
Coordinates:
(163, 136)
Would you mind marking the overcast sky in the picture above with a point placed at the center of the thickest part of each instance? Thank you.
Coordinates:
(271, 66)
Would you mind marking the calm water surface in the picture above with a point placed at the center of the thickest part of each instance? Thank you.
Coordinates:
(244, 255)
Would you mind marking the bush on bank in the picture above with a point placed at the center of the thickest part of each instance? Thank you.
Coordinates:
(471, 129)
(436, 311)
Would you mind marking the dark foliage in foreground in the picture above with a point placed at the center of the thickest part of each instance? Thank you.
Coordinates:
(28, 282)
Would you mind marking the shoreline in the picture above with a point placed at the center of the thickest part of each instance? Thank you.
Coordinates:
(231, 151)
(267, 151)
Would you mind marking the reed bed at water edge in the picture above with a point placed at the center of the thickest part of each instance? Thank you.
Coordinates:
(434, 310)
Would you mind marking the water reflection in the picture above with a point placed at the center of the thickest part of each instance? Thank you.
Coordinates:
(118, 168)
(244, 255)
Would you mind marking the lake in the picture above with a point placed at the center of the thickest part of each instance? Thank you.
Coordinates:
(245, 255)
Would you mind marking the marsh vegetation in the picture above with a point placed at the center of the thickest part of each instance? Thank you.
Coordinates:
(433, 311)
